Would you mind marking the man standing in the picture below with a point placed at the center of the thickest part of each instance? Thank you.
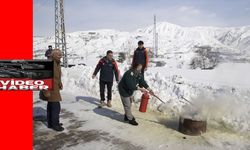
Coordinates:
(141, 56)
(48, 52)
(109, 68)
(54, 96)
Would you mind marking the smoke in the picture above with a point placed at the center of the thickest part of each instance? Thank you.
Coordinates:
(225, 109)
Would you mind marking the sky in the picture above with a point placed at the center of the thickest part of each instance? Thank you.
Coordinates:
(129, 15)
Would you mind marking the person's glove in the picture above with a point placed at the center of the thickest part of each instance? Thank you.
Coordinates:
(46, 93)
(142, 90)
(151, 92)
(61, 86)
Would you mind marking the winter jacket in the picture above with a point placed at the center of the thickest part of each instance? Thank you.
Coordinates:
(140, 57)
(48, 53)
(55, 95)
(108, 69)
(129, 83)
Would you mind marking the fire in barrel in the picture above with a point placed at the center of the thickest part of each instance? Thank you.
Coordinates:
(192, 127)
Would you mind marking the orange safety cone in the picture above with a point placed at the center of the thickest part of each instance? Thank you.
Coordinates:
(144, 102)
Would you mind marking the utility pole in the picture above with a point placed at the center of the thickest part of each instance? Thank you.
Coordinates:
(60, 36)
(155, 38)
(156, 45)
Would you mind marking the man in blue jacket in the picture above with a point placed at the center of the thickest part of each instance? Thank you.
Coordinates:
(109, 68)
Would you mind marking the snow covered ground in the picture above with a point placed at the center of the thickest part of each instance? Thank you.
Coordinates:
(88, 127)
(220, 95)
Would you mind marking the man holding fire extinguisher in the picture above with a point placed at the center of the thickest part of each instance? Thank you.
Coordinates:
(131, 81)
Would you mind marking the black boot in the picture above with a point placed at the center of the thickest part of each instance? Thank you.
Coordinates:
(58, 128)
(50, 126)
(133, 122)
(125, 118)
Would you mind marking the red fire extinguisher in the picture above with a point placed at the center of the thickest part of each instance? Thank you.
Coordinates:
(144, 102)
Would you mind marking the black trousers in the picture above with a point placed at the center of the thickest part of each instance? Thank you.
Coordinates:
(102, 90)
(143, 70)
(53, 111)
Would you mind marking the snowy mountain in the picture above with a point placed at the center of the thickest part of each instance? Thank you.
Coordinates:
(175, 42)
(235, 37)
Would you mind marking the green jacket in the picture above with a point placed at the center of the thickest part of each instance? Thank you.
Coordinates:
(129, 82)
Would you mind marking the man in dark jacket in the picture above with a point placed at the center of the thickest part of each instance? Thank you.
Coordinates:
(131, 81)
(109, 68)
(48, 52)
(141, 56)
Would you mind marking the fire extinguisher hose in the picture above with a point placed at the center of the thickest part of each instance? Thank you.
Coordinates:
(159, 99)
